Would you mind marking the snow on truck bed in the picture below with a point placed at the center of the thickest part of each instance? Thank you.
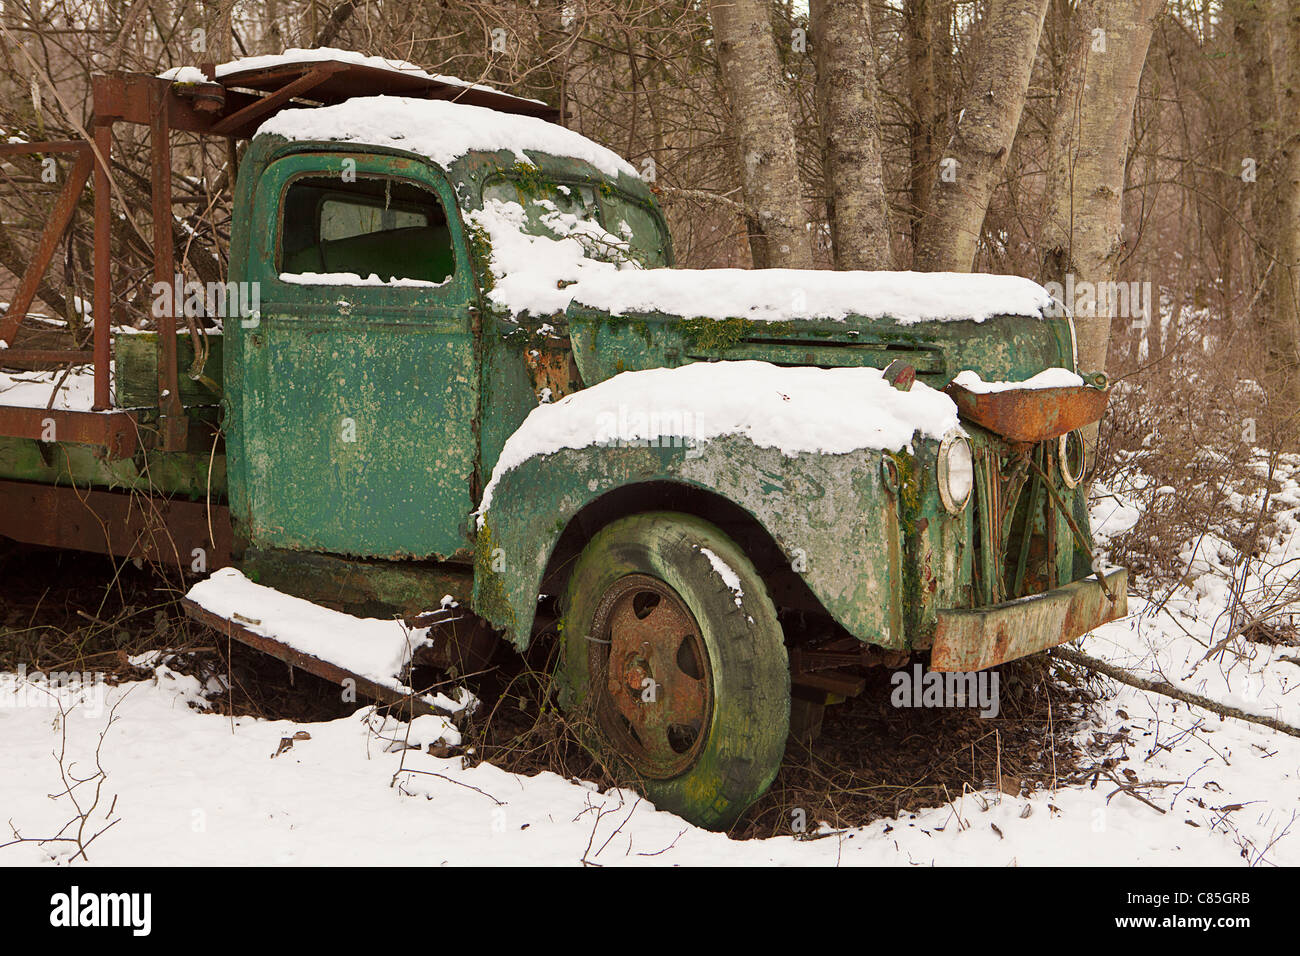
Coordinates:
(801, 409)
(74, 391)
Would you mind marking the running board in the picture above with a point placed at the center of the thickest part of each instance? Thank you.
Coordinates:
(370, 655)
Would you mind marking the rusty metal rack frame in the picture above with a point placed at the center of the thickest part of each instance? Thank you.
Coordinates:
(232, 106)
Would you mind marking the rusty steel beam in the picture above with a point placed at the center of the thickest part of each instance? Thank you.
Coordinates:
(46, 356)
(134, 97)
(208, 96)
(971, 640)
(102, 294)
(117, 432)
(165, 531)
(232, 629)
(61, 215)
(47, 146)
(255, 111)
(172, 421)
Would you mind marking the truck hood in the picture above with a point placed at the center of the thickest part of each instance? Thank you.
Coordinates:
(1003, 327)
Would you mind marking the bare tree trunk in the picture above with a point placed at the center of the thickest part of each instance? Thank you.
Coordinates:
(1281, 321)
(1249, 34)
(217, 21)
(335, 23)
(925, 129)
(948, 234)
(129, 20)
(1088, 153)
(764, 133)
(848, 105)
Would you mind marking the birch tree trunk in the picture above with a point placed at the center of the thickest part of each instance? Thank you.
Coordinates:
(1249, 32)
(948, 234)
(1087, 156)
(845, 52)
(764, 133)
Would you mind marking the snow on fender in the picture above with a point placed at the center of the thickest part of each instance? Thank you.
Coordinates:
(796, 410)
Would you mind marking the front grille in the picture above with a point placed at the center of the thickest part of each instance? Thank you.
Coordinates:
(1017, 528)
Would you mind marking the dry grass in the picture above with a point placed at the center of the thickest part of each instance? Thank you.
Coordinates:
(1187, 437)
(69, 611)
(872, 760)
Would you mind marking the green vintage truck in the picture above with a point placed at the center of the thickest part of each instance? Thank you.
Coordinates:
(455, 374)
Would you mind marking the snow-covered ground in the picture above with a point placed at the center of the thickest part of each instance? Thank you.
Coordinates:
(189, 787)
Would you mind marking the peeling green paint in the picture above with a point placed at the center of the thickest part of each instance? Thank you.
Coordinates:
(480, 250)
(838, 526)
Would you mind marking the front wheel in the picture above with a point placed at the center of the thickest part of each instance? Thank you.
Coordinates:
(673, 654)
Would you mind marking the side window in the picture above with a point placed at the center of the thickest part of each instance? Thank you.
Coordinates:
(502, 190)
(376, 228)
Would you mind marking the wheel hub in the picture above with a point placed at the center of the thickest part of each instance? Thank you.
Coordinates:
(635, 673)
(651, 672)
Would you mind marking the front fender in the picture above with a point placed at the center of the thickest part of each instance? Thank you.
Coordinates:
(831, 516)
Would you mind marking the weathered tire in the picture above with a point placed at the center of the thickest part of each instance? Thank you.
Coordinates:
(637, 588)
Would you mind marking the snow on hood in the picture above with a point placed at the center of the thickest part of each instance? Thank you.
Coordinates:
(802, 409)
(770, 295)
(546, 274)
(440, 130)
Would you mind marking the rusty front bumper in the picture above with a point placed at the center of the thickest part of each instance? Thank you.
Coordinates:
(971, 640)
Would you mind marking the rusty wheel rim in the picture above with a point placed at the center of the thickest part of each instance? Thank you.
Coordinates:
(651, 679)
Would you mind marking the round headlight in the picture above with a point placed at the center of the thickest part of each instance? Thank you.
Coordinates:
(956, 472)
(1070, 456)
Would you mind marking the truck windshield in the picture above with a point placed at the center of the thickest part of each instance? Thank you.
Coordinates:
(610, 227)
(638, 226)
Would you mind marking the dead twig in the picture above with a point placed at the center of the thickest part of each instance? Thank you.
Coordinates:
(1166, 689)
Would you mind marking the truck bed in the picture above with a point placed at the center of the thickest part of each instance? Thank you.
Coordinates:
(75, 477)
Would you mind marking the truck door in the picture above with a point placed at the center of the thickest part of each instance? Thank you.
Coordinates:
(357, 385)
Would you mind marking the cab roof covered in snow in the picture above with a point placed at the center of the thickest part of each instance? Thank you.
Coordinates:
(442, 131)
